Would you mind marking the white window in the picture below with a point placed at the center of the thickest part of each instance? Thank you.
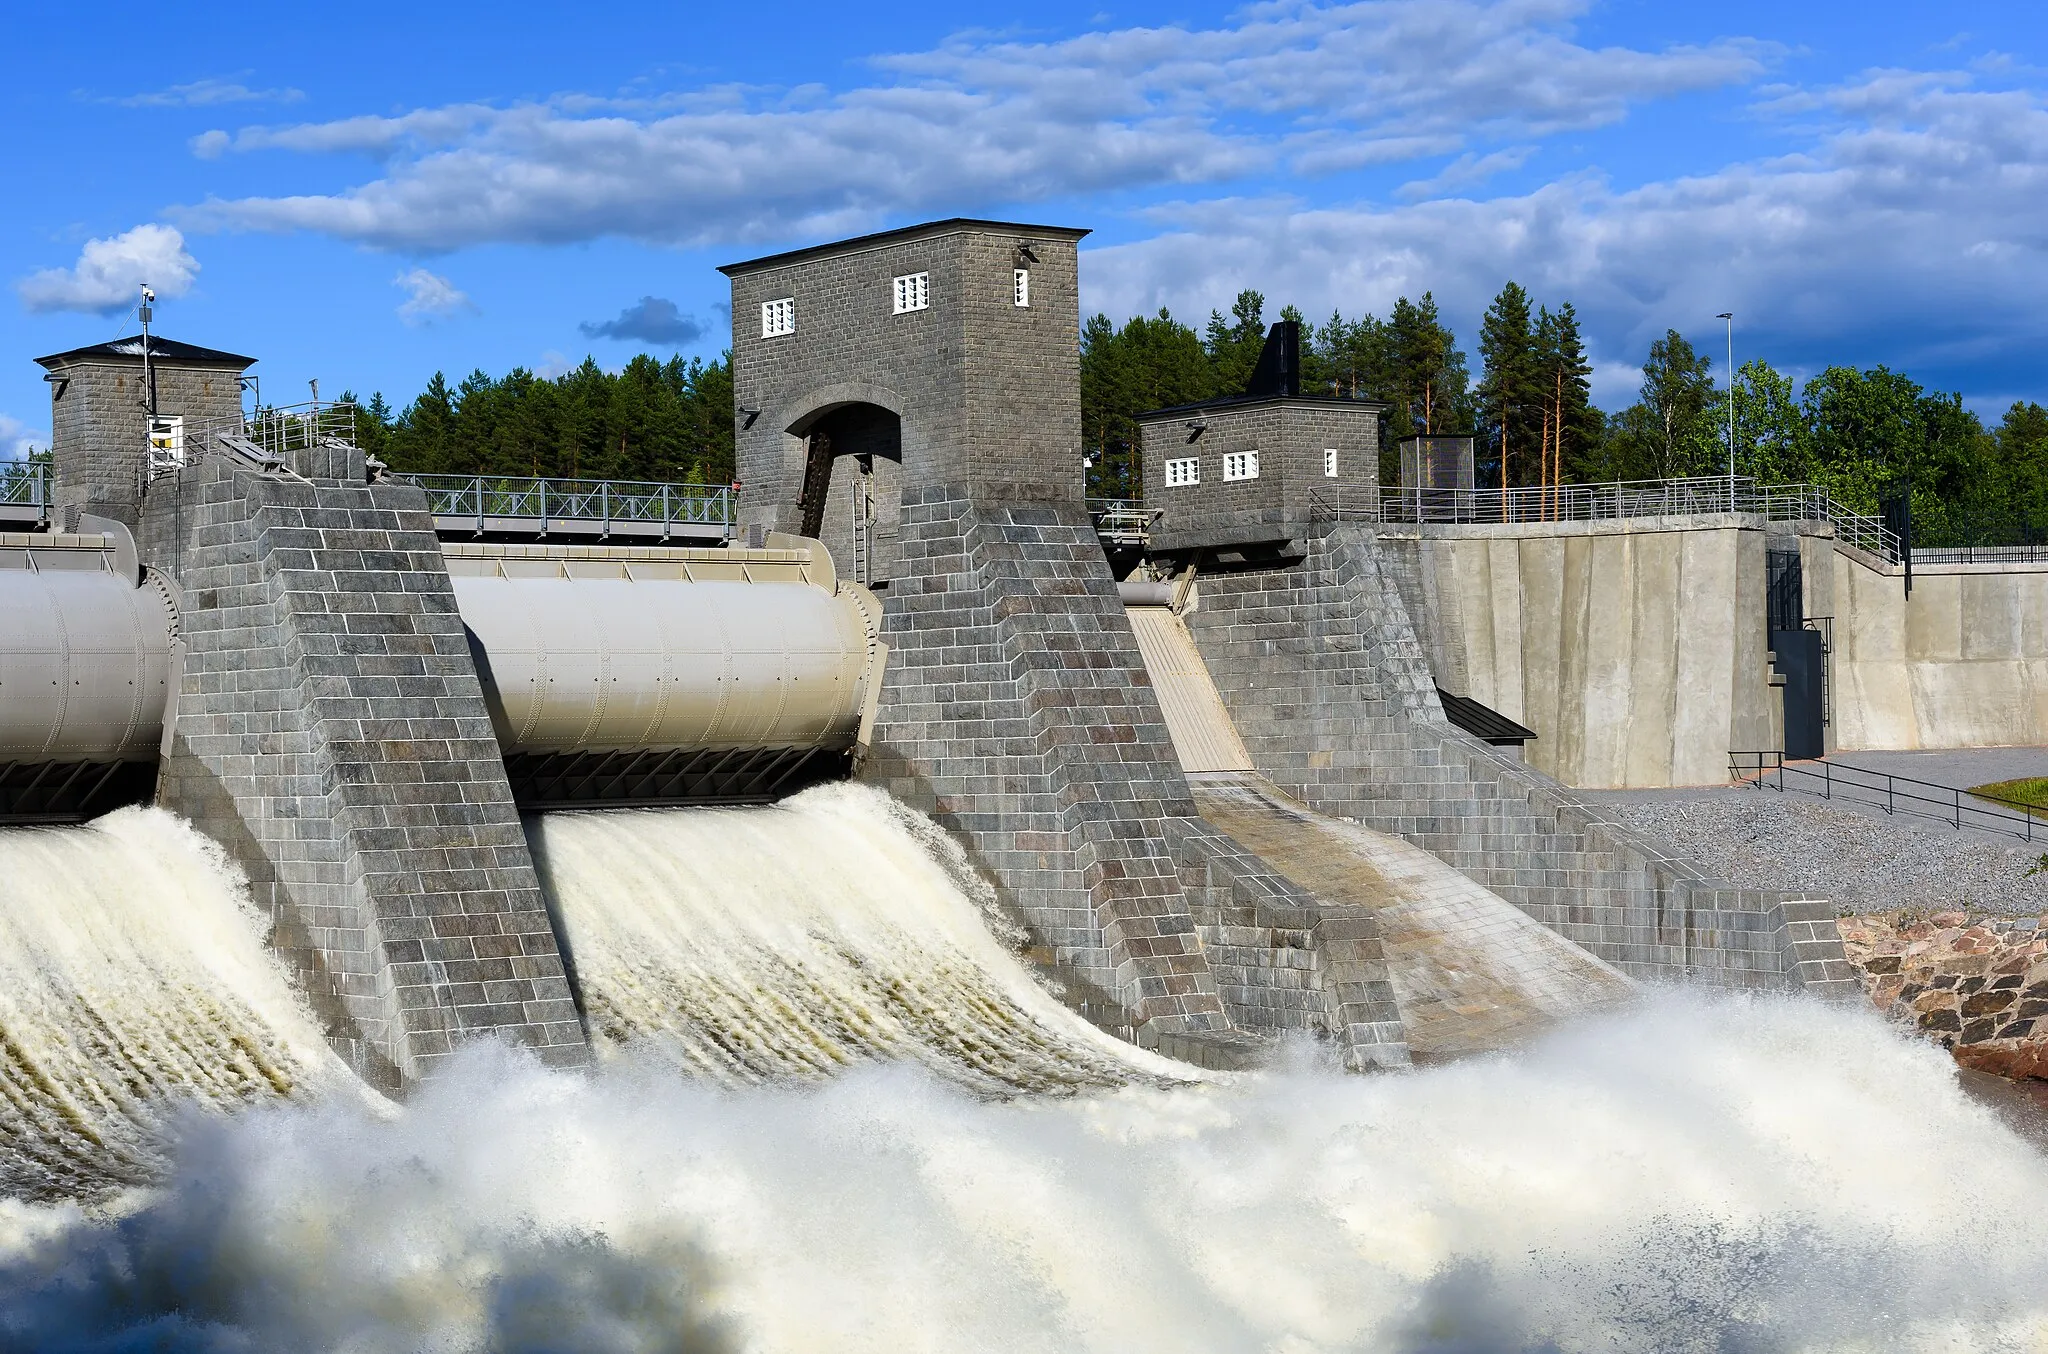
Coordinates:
(1329, 463)
(778, 317)
(913, 291)
(1185, 470)
(1241, 465)
(1020, 287)
(167, 439)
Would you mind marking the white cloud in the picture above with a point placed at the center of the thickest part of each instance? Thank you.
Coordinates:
(106, 278)
(1913, 236)
(1318, 88)
(207, 94)
(1468, 171)
(17, 439)
(429, 297)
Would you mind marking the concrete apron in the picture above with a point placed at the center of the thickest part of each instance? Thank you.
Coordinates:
(1471, 972)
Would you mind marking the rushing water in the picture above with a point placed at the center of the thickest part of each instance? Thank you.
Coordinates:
(795, 940)
(133, 978)
(1693, 1173)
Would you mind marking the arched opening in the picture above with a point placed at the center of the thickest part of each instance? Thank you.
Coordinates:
(854, 514)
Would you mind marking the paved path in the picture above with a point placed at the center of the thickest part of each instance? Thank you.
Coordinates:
(1854, 852)
(1960, 768)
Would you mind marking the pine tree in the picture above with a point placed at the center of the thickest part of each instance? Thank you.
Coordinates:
(1510, 394)
(1428, 378)
(1576, 424)
(1233, 345)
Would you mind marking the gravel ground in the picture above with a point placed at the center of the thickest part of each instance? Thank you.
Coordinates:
(1863, 860)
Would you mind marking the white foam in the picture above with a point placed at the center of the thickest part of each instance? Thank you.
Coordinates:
(133, 983)
(1701, 1173)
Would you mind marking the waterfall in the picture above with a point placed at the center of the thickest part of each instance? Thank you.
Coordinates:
(133, 983)
(798, 939)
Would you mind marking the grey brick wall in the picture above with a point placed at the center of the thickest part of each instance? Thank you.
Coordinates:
(988, 392)
(1322, 672)
(1016, 708)
(99, 429)
(1016, 712)
(330, 732)
(1290, 435)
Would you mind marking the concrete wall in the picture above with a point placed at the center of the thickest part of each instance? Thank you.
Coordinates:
(1635, 649)
(1963, 662)
(1328, 684)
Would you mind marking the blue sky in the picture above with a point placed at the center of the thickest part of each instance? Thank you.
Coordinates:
(370, 193)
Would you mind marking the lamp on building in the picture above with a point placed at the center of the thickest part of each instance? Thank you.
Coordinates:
(1196, 427)
(748, 415)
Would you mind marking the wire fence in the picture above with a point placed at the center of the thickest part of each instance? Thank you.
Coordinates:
(1618, 499)
(1893, 794)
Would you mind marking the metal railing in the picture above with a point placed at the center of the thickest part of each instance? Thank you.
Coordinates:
(1121, 521)
(25, 492)
(491, 501)
(1893, 794)
(268, 435)
(1980, 554)
(1618, 499)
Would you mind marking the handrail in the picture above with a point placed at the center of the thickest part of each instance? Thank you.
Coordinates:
(1893, 794)
(480, 498)
(271, 433)
(1980, 554)
(26, 484)
(1610, 500)
(1121, 521)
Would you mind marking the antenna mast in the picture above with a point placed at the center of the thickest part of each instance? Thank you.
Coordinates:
(147, 311)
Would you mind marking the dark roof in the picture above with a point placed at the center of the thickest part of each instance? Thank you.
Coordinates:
(1487, 725)
(1248, 401)
(950, 226)
(160, 349)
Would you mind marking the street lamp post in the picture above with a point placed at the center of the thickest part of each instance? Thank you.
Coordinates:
(1729, 316)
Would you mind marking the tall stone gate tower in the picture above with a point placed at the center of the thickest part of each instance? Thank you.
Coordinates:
(915, 394)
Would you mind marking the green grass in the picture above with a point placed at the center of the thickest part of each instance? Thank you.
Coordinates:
(2031, 791)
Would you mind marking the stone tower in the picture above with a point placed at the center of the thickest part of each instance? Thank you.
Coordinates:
(917, 391)
(99, 414)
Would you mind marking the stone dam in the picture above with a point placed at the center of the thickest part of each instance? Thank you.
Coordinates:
(898, 903)
(1220, 797)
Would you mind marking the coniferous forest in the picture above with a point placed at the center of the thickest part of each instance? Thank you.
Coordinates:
(1863, 434)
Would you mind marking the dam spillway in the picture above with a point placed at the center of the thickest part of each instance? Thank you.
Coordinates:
(362, 697)
(1027, 1038)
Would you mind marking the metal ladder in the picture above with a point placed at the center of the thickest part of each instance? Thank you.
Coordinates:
(864, 523)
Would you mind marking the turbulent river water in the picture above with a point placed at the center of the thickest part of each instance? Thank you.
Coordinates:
(803, 1134)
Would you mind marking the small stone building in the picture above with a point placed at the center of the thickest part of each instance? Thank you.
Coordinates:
(101, 429)
(1245, 474)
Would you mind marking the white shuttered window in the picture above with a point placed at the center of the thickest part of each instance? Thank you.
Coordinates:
(913, 292)
(1183, 471)
(1329, 463)
(1241, 465)
(778, 317)
(1020, 287)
